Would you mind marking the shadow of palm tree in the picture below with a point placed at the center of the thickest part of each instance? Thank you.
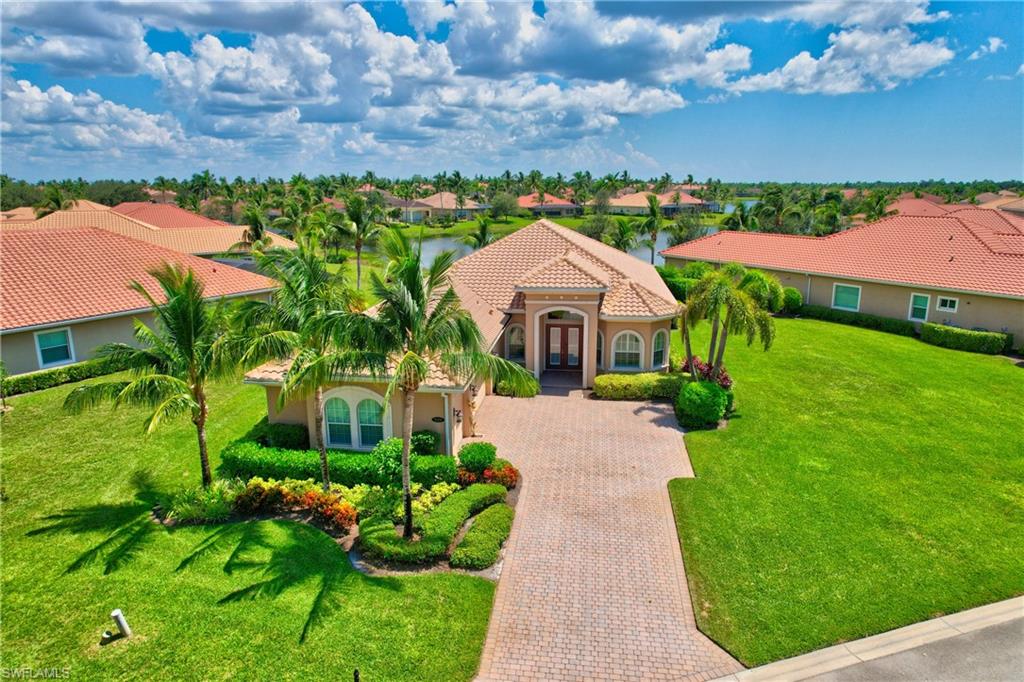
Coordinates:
(128, 526)
(306, 557)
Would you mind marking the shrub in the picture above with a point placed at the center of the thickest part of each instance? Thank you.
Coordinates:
(792, 300)
(287, 436)
(643, 386)
(702, 371)
(48, 378)
(482, 543)
(676, 281)
(965, 339)
(245, 459)
(426, 442)
(882, 324)
(465, 477)
(701, 404)
(424, 500)
(501, 472)
(477, 456)
(387, 461)
(503, 388)
(264, 496)
(198, 504)
(696, 269)
(379, 539)
(330, 509)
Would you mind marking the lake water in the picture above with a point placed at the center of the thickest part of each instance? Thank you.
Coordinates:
(729, 208)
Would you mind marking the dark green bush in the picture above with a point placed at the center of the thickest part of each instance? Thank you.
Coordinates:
(477, 456)
(503, 388)
(696, 269)
(287, 436)
(643, 386)
(378, 537)
(966, 339)
(387, 461)
(426, 442)
(701, 404)
(882, 324)
(792, 300)
(246, 458)
(482, 543)
(48, 378)
(677, 282)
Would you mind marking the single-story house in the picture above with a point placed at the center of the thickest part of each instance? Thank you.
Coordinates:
(165, 216)
(167, 196)
(199, 236)
(964, 268)
(446, 203)
(542, 203)
(922, 207)
(635, 203)
(66, 291)
(563, 305)
(21, 214)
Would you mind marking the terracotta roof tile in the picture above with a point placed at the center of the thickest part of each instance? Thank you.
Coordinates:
(914, 206)
(567, 271)
(447, 200)
(545, 199)
(274, 372)
(164, 216)
(639, 200)
(57, 275)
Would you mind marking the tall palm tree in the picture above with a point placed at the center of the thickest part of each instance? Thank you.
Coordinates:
(363, 226)
(741, 218)
(483, 235)
(54, 199)
(290, 324)
(622, 235)
(650, 224)
(876, 206)
(173, 363)
(418, 324)
(776, 210)
(255, 237)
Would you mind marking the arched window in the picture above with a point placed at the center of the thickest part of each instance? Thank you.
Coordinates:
(600, 349)
(371, 423)
(627, 351)
(515, 343)
(658, 354)
(339, 422)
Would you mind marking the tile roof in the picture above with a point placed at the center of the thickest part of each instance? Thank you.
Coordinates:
(969, 249)
(998, 203)
(639, 200)
(447, 200)
(558, 255)
(60, 275)
(165, 216)
(914, 206)
(22, 213)
(536, 199)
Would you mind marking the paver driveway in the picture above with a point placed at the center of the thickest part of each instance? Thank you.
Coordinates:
(592, 586)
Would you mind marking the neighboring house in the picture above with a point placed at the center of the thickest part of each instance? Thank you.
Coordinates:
(635, 203)
(160, 197)
(964, 268)
(1014, 207)
(446, 203)
(542, 204)
(206, 238)
(923, 207)
(66, 291)
(165, 216)
(998, 202)
(557, 302)
(22, 214)
(983, 197)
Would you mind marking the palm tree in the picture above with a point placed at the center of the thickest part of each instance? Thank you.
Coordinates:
(173, 363)
(255, 237)
(651, 223)
(876, 206)
(363, 225)
(718, 291)
(775, 208)
(290, 324)
(54, 199)
(741, 218)
(418, 324)
(622, 235)
(483, 235)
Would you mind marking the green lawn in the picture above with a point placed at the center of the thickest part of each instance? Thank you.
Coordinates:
(868, 481)
(77, 543)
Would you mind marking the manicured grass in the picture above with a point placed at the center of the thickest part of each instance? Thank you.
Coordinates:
(867, 481)
(77, 543)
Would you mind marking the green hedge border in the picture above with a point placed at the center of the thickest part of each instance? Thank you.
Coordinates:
(56, 376)
(991, 343)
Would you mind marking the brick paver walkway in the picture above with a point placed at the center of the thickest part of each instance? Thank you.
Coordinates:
(592, 586)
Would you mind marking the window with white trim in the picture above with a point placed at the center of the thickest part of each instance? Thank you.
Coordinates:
(371, 423)
(946, 304)
(54, 347)
(919, 307)
(515, 343)
(600, 349)
(339, 422)
(658, 353)
(354, 418)
(627, 351)
(846, 297)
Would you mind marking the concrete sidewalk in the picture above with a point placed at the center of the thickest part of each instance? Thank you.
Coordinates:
(985, 643)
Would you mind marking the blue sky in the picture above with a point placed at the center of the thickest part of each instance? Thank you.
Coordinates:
(802, 91)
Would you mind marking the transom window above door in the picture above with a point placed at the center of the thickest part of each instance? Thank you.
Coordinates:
(565, 315)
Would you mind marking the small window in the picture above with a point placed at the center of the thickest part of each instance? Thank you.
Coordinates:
(627, 351)
(600, 349)
(946, 305)
(658, 355)
(516, 340)
(919, 307)
(339, 422)
(846, 297)
(371, 423)
(54, 347)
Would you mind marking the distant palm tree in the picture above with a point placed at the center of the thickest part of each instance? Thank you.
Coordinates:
(483, 235)
(741, 218)
(650, 224)
(622, 235)
(173, 363)
(876, 206)
(776, 210)
(54, 199)
(255, 237)
(363, 226)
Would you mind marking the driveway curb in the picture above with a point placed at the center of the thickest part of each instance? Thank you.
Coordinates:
(884, 644)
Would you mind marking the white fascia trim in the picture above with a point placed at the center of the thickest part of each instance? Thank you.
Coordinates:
(637, 318)
(562, 290)
(364, 380)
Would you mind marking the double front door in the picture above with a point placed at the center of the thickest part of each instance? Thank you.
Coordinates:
(564, 346)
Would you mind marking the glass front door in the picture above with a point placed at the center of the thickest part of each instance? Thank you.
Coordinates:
(564, 346)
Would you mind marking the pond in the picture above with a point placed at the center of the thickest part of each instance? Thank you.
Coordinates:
(748, 203)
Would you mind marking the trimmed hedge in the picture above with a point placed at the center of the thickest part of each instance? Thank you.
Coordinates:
(426, 442)
(643, 386)
(287, 436)
(991, 343)
(477, 456)
(702, 404)
(792, 300)
(676, 281)
(504, 388)
(378, 537)
(48, 378)
(482, 543)
(246, 458)
(876, 322)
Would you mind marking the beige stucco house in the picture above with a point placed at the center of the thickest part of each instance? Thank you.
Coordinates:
(963, 268)
(564, 306)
